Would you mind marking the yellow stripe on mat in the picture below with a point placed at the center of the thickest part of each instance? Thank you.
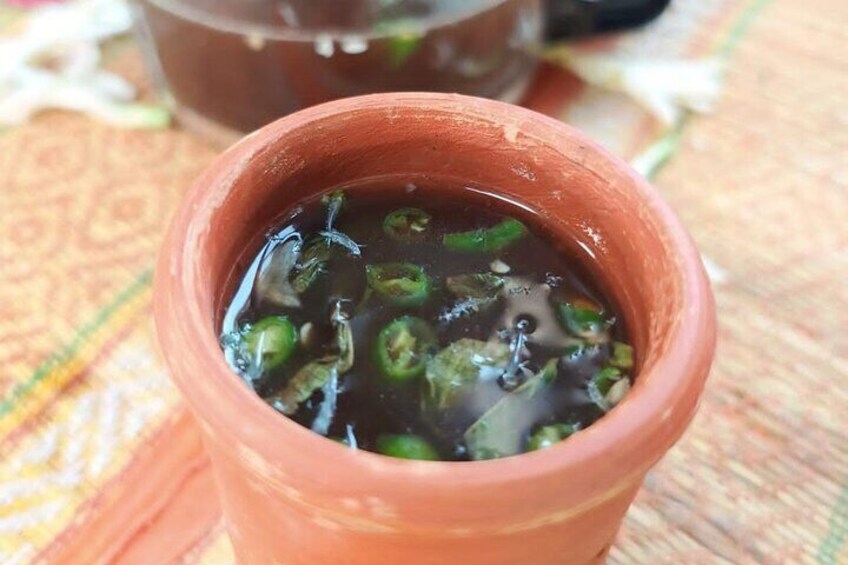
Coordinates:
(32, 395)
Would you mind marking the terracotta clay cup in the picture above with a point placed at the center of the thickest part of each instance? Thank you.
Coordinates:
(292, 496)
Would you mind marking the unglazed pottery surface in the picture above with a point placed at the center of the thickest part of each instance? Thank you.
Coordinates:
(291, 496)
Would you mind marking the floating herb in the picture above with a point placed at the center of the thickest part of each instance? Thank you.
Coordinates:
(546, 436)
(583, 322)
(316, 374)
(484, 285)
(312, 263)
(461, 364)
(499, 432)
(622, 355)
(602, 383)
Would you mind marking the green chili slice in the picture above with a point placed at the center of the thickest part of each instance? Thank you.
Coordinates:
(270, 341)
(489, 240)
(622, 355)
(406, 447)
(404, 347)
(600, 384)
(406, 224)
(401, 284)
(581, 322)
(575, 351)
(546, 436)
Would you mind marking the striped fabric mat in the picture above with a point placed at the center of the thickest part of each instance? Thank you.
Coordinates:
(100, 463)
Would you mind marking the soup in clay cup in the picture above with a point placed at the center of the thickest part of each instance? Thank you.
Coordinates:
(292, 496)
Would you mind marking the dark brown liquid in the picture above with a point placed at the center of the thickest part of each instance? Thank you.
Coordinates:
(242, 76)
(368, 405)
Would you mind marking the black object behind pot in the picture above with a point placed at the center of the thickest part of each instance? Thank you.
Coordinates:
(579, 18)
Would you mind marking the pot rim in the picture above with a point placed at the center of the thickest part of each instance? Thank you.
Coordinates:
(631, 437)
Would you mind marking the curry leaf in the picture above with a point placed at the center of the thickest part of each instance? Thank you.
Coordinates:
(312, 263)
(483, 285)
(304, 383)
(500, 431)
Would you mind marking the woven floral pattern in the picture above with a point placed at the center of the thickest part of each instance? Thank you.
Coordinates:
(762, 475)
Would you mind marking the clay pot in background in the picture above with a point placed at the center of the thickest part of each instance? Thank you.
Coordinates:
(291, 496)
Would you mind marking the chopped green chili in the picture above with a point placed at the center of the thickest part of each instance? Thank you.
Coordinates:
(406, 224)
(601, 383)
(546, 436)
(404, 347)
(270, 342)
(483, 285)
(487, 240)
(401, 284)
(406, 447)
(582, 322)
(622, 355)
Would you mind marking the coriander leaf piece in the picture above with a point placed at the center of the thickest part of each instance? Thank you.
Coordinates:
(546, 436)
(622, 355)
(461, 364)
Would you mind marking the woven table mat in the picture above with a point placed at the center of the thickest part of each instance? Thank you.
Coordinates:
(100, 463)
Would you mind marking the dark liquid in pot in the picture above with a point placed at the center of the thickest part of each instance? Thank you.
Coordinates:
(571, 365)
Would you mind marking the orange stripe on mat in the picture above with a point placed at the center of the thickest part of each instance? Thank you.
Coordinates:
(159, 507)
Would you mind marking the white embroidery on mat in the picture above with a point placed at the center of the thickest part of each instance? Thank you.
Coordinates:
(85, 439)
(21, 555)
(608, 117)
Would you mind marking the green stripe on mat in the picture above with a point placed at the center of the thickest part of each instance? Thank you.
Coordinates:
(21, 390)
(740, 27)
(837, 533)
(652, 160)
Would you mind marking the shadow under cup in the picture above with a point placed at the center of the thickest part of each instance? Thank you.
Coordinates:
(292, 496)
